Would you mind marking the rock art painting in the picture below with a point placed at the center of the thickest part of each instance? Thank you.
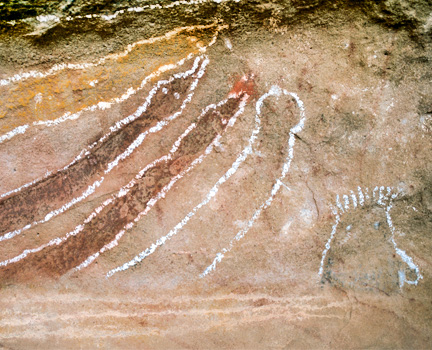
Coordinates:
(218, 174)
(274, 91)
(382, 197)
(133, 200)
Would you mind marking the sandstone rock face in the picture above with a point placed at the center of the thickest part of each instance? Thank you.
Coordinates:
(215, 174)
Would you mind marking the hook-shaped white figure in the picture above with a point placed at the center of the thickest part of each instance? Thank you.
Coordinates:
(274, 91)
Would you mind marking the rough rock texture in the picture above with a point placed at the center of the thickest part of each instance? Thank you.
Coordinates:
(215, 174)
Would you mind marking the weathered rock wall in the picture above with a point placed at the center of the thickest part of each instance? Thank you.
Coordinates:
(205, 174)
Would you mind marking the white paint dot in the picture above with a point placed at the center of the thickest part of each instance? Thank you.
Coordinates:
(38, 98)
(228, 44)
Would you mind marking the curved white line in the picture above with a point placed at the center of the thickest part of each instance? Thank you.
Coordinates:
(109, 17)
(328, 244)
(100, 105)
(138, 141)
(276, 186)
(403, 255)
(162, 240)
(85, 65)
(212, 193)
(108, 104)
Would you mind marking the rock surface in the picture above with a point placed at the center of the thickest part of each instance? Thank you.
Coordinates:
(215, 174)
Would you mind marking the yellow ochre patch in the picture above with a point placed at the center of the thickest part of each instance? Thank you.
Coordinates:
(72, 90)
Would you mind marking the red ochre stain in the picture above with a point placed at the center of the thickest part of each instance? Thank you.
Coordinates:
(245, 84)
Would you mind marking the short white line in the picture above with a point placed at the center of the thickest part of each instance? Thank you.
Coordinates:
(367, 193)
(374, 192)
(354, 199)
(381, 196)
(361, 196)
(283, 184)
(346, 201)
(339, 205)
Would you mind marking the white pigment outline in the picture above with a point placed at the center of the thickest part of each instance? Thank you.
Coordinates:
(115, 56)
(165, 190)
(100, 105)
(276, 186)
(275, 90)
(381, 198)
(125, 189)
(240, 159)
(106, 105)
(135, 144)
(143, 8)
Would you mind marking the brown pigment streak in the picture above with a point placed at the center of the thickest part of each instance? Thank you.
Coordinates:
(54, 261)
(33, 203)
